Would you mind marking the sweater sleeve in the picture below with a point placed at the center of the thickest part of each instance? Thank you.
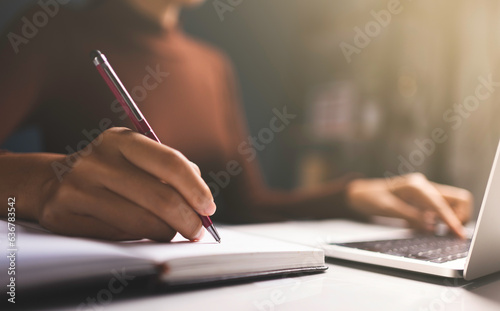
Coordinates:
(247, 197)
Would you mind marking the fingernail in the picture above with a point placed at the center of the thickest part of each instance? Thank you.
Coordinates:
(205, 204)
(209, 208)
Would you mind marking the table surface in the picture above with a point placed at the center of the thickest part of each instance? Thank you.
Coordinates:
(344, 286)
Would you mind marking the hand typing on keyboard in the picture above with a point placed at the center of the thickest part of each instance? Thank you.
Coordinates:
(414, 198)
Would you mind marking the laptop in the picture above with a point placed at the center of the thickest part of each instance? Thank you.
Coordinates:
(445, 256)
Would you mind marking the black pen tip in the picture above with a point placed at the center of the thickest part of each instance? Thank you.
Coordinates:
(94, 54)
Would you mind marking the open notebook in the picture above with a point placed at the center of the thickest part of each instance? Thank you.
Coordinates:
(45, 259)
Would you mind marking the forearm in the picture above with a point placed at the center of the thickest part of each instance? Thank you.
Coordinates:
(327, 201)
(260, 204)
(28, 178)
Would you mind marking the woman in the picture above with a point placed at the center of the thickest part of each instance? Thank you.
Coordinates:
(125, 186)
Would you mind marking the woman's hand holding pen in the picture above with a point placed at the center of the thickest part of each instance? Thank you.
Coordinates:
(413, 198)
(128, 187)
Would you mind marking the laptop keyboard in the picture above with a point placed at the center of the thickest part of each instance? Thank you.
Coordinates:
(428, 248)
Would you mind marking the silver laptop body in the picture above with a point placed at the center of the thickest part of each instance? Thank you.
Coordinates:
(482, 258)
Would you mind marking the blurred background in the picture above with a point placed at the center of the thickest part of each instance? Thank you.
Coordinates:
(366, 78)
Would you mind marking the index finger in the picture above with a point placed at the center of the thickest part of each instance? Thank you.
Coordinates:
(170, 166)
(429, 196)
(459, 199)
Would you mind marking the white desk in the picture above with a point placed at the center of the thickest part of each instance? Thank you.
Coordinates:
(343, 287)
(340, 288)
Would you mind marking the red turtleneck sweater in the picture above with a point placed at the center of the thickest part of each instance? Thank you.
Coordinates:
(185, 88)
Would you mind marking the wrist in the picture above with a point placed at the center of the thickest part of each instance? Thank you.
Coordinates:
(354, 197)
(30, 179)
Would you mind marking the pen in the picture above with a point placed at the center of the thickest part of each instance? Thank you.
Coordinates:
(128, 104)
